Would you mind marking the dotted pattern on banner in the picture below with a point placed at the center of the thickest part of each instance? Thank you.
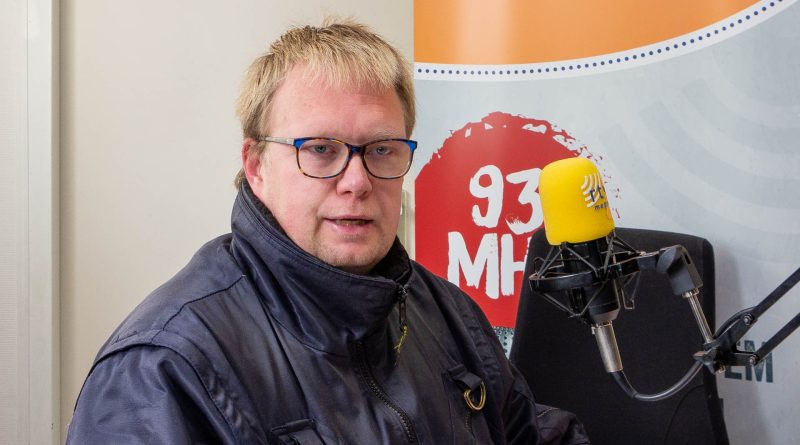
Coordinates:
(673, 46)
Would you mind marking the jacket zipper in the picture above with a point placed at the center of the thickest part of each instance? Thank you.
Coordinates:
(369, 380)
(366, 375)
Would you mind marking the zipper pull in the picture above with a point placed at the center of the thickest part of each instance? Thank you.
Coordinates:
(401, 309)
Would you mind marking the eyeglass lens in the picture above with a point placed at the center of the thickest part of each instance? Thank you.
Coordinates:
(325, 157)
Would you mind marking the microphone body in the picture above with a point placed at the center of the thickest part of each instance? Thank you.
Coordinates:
(577, 218)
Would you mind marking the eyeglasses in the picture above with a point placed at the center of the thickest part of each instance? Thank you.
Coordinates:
(319, 157)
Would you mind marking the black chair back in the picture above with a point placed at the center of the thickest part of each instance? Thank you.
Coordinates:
(560, 360)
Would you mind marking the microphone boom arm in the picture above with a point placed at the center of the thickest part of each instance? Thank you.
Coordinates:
(719, 348)
(722, 351)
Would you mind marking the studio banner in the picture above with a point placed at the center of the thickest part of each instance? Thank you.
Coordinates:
(691, 111)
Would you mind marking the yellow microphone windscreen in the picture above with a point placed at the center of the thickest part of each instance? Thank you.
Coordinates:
(574, 202)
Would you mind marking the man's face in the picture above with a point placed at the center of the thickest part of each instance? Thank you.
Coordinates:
(348, 221)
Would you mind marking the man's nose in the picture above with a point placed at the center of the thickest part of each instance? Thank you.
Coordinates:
(355, 178)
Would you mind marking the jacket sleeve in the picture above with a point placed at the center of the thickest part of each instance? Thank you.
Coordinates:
(528, 422)
(146, 394)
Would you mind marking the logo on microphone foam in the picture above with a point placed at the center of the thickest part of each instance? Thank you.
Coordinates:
(593, 191)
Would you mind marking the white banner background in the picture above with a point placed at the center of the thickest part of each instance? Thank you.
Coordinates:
(703, 140)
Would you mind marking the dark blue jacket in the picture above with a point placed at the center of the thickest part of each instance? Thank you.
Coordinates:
(257, 342)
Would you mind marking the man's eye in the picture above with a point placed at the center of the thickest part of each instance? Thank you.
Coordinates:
(382, 150)
(321, 149)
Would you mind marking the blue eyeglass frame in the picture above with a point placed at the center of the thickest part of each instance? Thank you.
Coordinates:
(298, 142)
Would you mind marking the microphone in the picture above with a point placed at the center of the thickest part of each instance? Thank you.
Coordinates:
(582, 272)
(587, 260)
(577, 217)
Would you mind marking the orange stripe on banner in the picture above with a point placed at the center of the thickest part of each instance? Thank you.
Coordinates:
(520, 31)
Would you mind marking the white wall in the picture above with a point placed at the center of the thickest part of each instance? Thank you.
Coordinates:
(150, 143)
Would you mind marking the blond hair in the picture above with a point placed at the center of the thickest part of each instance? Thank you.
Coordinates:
(342, 53)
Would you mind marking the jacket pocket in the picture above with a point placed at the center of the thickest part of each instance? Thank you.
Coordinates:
(302, 432)
(467, 396)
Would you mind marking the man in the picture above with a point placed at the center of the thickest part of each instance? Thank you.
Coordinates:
(309, 323)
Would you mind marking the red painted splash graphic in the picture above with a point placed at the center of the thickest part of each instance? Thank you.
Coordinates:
(477, 205)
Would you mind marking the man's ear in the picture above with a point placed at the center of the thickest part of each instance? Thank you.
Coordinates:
(251, 163)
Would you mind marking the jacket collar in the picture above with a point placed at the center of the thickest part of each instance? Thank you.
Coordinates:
(324, 307)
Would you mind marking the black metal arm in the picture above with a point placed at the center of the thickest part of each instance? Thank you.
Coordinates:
(722, 351)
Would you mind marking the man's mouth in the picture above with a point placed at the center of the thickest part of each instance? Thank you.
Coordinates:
(351, 222)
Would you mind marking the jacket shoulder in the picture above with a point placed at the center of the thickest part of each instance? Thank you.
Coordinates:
(211, 271)
(431, 279)
(450, 294)
(123, 401)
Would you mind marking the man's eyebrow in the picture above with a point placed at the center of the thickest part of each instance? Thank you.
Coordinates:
(387, 134)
